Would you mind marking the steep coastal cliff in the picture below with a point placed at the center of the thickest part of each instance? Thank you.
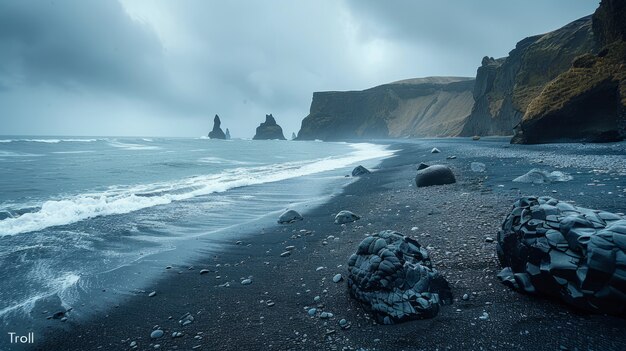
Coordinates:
(506, 86)
(588, 101)
(434, 106)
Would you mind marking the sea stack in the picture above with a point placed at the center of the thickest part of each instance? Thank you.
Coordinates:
(269, 130)
(217, 132)
(293, 136)
(227, 134)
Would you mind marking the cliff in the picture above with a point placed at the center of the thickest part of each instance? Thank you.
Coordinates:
(588, 101)
(217, 132)
(506, 86)
(269, 130)
(434, 106)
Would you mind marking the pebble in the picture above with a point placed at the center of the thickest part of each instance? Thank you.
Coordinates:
(326, 315)
(337, 278)
(246, 282)
(488, 239)
(319, 268)
(317, 299)
(133, 344)
(312, 312)
(152, 294)
(285, 254)
(177, 334)
(156, 334)
(343, 324)
(465, 297)
(435, 151)
(484, 317)
(204, 271)
(290, 248)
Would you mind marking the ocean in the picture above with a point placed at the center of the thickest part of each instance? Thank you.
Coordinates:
(76, 211)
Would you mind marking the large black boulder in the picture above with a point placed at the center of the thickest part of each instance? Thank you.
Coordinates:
(552, 248)
(434, 175)
(217, 132)
(392, 276)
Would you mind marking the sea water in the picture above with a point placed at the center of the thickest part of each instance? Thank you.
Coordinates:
(72, 209)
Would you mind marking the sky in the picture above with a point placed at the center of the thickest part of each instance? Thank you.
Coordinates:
(166, 67)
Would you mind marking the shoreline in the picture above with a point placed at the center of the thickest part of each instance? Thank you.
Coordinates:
(270, 313)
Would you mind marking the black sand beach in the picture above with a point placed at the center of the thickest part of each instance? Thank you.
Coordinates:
(454, 221)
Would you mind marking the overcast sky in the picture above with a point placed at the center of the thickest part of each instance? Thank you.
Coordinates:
(164, 68)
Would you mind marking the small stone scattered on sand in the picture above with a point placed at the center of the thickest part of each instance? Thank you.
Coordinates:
(326, 315)
(246, 282)
(285, 254)
(156, 334)
(152, 294)
(337, 278)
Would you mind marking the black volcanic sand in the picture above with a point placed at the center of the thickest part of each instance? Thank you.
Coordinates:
(453, 221)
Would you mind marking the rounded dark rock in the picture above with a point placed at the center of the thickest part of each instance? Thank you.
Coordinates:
(434, 175)
(289, 216)
(344, 217)
(422, 166)
(359, 171)
(552, 248)
(392, 276)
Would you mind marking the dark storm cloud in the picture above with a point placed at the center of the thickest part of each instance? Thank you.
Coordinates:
(77, 44)
(161, 67)
(490, 27)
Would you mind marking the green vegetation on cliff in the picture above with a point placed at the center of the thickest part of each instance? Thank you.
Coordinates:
(588, 101)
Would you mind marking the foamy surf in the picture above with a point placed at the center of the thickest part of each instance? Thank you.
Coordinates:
(125, 199)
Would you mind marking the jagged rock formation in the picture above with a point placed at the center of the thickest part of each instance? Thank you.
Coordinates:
(505, 87)
(435, 106)
(217, 132)
(269, 130)
(392, 276)
(588, 101)
(227, 134)
(293, 136)
(551, 248)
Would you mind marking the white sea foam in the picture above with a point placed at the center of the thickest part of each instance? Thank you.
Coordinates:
(54, 285)
(48, 141)
(17, 154)
(131, 146)
(219, 160)
(125, 199)
(73, 152)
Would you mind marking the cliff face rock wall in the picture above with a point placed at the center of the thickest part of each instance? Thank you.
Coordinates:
(505, 87)
(588, 101)
(435, 106)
